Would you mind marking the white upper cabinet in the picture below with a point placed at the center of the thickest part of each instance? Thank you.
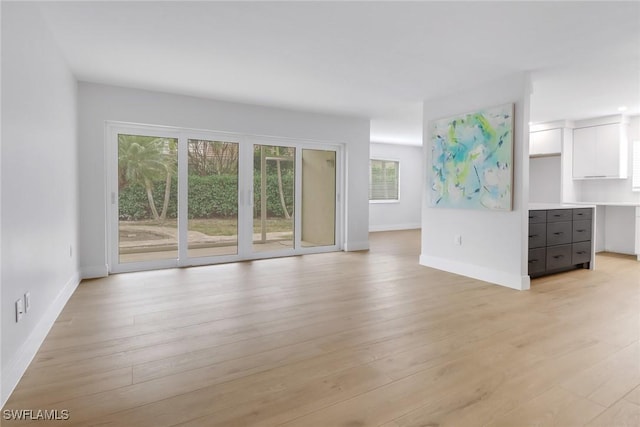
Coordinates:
(545, 142)
(600, 151)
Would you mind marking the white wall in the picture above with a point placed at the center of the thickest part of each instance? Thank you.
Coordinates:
(99, 103)
(545, 183)
(39, 185)
(494, 245)
(404, 214)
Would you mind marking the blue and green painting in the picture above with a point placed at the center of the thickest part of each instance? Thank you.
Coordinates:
(472, 160)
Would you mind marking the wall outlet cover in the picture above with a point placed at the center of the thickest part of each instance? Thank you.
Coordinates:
(27, 301)
(19, 309)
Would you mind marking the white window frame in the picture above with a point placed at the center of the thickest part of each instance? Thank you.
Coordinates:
(385, 159)
(635, 166)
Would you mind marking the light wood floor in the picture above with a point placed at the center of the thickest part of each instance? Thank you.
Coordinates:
(343, 339)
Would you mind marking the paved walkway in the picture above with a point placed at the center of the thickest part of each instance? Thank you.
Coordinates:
(169, 239)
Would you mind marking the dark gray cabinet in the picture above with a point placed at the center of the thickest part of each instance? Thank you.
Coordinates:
(559, 239)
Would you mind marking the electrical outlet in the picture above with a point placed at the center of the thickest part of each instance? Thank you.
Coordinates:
(27, 301)
(19, 309)
(457, 239)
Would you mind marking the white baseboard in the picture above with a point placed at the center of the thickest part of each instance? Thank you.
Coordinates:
(356, 246)
(94, 271)
(513, 281)
(395, 227)
(16, 367)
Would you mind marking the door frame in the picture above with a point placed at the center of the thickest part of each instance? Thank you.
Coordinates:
(245, 194)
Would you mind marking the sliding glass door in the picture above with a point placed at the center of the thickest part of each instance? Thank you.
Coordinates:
(147, 198)
(318, 223)
(274, 198)
(181, 197)
(212, 199)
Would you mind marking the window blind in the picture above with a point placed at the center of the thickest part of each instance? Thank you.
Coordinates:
(383, 179)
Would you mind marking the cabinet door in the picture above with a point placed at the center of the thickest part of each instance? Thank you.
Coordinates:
(546, 142)
(536, 217)
(558, 256)
(537, 260)
(537, 235)
(581, 231)
(608, 150)
(557, 215)
(580, 253)
(584, 152)
(559, 233)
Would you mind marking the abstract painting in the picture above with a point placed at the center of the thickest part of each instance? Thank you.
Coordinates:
(472, 160)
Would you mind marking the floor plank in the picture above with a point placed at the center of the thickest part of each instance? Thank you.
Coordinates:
(608, 381)
(622, 414)
(556, 407)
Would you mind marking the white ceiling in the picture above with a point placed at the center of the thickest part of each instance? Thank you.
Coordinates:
(372, 59)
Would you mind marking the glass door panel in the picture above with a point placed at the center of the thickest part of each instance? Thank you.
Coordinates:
(212, 201)
(273, 195)
(318, 198)
(147, 198)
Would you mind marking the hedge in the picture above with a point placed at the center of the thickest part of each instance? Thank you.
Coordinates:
(213, 196)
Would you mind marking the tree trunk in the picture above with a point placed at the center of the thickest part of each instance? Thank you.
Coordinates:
(284, 206)
(152, 204)
(167, 194)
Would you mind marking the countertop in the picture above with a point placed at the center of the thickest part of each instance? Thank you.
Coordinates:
(631, 204)
(546, 206)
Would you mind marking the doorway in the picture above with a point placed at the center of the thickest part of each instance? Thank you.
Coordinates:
(180, 197)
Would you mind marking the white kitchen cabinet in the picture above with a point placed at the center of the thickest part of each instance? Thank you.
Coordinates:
(599, 152)
(584, 152)
(545, 142)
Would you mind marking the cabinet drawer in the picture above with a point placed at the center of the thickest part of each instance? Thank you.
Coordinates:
(559, 233)
(537, 216)
(586, 213)
(537, 235)
(556, 215)
(580, 252)
(581, 230)
(558, 257)
(537, 261)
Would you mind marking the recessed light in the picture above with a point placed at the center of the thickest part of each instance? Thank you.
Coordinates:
(622, 108)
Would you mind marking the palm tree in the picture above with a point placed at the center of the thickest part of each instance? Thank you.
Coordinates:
(143, 160)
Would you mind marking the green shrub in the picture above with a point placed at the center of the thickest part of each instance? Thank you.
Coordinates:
(213, 196)
(133, 203)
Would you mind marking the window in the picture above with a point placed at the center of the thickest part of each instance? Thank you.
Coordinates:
(635, 167)
(384, 179)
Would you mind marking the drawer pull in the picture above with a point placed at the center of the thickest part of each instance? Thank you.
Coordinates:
(579, 214)
(557, 233)
(581, 231)
(558, 256)
(533, 235)
(531, 261)
(581, 252)
(557, 215)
